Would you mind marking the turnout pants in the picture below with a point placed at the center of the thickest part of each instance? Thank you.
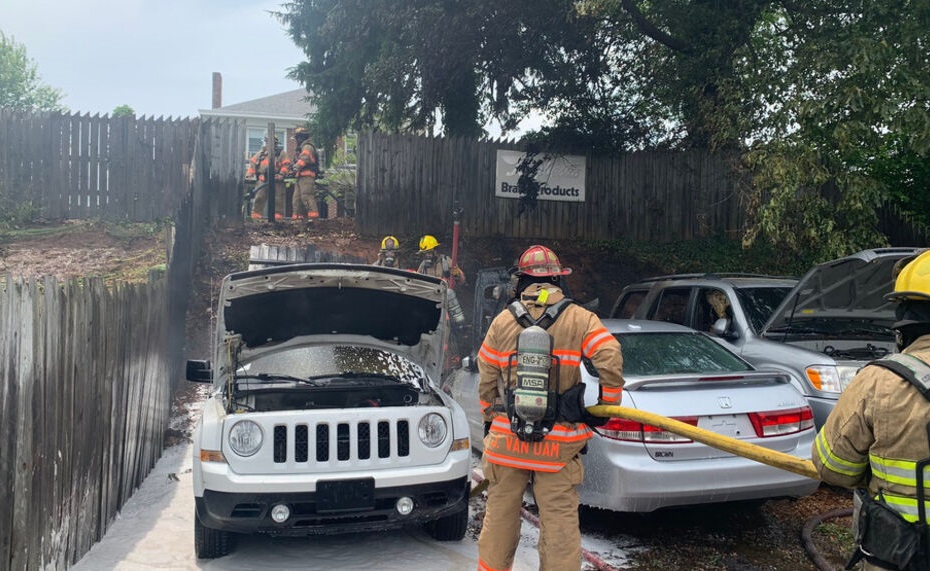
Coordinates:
(260, 200)
(557, 498)
(304, 200)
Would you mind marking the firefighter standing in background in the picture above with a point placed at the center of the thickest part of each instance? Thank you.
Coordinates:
(258, 170)
(879, 431)
(438, 265)
(387, 255)
(306, 168)
(519, 446)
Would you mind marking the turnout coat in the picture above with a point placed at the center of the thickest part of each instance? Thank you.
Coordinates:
(576, 333)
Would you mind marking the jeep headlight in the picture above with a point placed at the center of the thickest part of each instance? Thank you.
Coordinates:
(432, 430)
(825, 378)
(245, 438)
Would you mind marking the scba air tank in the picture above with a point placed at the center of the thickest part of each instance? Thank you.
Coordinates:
(456, 313)
(534, 359)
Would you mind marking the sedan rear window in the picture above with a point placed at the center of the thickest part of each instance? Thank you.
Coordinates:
(670, 353)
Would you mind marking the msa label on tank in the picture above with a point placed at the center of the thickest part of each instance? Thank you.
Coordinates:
(532, 383)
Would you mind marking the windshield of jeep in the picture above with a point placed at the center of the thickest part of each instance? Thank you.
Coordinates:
(332, 364)
(759, 303)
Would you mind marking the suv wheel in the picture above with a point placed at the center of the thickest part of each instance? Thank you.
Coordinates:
(211, 543)
(449, 528)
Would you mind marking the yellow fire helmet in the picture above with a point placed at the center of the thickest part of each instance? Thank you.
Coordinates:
(427, 243)
(390, 243)
(913, 282)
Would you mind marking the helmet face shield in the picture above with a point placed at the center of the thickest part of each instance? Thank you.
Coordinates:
(390, 243)
(540, 261)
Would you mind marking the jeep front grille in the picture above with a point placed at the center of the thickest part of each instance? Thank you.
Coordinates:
(343, 441)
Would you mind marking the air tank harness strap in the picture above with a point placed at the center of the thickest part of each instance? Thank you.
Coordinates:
(545, 320)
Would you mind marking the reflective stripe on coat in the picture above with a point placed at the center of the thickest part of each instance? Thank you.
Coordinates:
(876, 434)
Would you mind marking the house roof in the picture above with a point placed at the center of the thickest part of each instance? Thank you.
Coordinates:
(288, 105)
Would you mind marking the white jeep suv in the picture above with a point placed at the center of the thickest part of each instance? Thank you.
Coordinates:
(325, 415)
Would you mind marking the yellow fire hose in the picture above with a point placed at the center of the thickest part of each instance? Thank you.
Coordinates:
(725, 443)
(719, 441)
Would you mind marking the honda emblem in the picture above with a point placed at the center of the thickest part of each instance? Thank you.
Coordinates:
(724, 402)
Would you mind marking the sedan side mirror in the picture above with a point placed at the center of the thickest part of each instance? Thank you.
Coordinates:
(199, 371)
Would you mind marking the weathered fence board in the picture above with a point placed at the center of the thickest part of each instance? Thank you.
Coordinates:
(117, 168)
(84, 397)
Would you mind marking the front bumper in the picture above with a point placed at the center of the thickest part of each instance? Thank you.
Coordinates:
(250, 512)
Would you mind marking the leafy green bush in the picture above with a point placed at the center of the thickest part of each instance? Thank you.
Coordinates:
(715, 254)
(14, 213)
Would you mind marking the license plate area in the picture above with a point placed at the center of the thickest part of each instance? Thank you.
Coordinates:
(726, 424)
(345, 495)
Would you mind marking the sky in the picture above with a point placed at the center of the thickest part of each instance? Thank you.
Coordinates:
(157, 56)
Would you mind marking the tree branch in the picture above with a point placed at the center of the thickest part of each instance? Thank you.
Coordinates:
(651, 30)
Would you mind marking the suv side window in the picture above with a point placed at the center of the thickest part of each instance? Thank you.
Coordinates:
(672, 306)
(628, 304)
(712, 304)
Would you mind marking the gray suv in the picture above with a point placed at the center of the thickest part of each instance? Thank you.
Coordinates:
(820, 329)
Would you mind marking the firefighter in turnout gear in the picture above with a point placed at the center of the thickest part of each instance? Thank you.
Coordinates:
(877, 438)
(387, 255)
(306, 169)
(529, 363)
(258, 170)
(438, 265)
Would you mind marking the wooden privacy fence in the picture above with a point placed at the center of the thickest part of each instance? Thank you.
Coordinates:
(409, 184)
(84, 402)
(118, 168)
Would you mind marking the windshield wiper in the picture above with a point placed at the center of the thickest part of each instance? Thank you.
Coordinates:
(363, 375)
(271, 377)
(877, 329)
(790, 328)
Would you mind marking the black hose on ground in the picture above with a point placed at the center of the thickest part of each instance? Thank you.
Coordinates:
(808, 530)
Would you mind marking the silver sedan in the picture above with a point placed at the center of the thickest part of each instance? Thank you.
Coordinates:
(677, 372)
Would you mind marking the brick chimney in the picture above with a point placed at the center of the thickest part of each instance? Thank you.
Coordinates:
(217, 90)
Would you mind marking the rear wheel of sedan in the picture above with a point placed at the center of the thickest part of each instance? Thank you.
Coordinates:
(449, 528)
(211, 543)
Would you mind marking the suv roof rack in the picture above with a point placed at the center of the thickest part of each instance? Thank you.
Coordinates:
(715, 276)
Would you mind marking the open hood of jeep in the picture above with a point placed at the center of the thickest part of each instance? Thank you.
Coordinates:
(842, 295)
(320, 301)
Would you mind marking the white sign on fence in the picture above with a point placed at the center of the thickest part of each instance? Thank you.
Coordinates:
(560, 177)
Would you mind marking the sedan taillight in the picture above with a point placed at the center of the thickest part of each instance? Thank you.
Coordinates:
(631, 431)
(781, 422)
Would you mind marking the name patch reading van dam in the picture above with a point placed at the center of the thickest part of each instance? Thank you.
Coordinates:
(560, 177)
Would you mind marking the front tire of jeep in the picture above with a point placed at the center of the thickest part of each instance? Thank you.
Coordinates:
(449, 528)
(211, 543)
